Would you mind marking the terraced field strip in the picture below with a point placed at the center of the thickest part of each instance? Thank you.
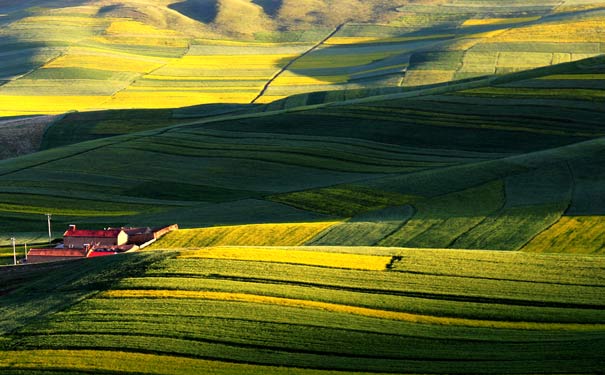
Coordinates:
(439, 221)
(573, 31)
(52, 360)
(276, 255)
(345, 40)
(571, 234)
(498, 21)
(237, 297)
(302, 153)
(212, 73)
(93, 68)
(366, 229)
(243, 235)
(343, 201)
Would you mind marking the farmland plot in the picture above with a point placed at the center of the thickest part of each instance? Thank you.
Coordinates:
(366, 229)
(244, 309)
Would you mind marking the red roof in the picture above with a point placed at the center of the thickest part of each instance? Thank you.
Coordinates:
(110, 233)
(94, 254)
(57, 252)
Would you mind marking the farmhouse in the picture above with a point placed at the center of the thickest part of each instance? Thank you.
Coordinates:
(79, 238)
(84, 243)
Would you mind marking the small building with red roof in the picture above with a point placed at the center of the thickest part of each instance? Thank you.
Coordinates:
(80, 238)
(84, 243)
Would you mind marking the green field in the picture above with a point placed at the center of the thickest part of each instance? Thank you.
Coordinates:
(432, 311)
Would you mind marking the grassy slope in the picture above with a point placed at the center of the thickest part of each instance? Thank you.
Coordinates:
(307, 311)
(428, 149)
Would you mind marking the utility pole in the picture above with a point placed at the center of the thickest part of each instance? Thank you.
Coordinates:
(49, 232)
(14, 251)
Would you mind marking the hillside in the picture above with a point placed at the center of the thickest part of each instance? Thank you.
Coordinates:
(93, 55)
(305, 311)
(459, 165)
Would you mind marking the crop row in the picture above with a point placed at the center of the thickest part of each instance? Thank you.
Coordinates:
(245, 235)
(409, 280)
(336, 260)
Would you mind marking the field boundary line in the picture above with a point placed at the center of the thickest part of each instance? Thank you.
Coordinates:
(402, 224)
(289, 64)
(496, 213)
(143, 74)
(572, 194)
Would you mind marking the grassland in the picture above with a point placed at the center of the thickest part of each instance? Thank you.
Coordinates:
(229, 310)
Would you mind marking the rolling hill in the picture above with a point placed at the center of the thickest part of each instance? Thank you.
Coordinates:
(305, 311)
(88, 55)
(362, 187)
(472, 161)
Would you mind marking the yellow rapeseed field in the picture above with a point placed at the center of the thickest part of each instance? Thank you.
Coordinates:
(172, 99)
(498, 21)
(232, 61)
(23, 105)
(104, 62)
(217, 77)
(588, 30)
(347, 309)
(247, 43)
(289, 234)
(571, 234)
(276, 255)
(292, 80)
(346, 40)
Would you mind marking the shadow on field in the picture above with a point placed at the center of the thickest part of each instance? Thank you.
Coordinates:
(200, 10)
(271, 7)
(411, 46)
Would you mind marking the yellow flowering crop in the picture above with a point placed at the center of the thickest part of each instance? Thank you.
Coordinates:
(291, 80)
(586, 30)
(111, 63)
(345, 40)
(173, 99)
(498, 21)
(232, 61)
(22, 105)
(311, 258)
(288, 234)
(574, 234)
